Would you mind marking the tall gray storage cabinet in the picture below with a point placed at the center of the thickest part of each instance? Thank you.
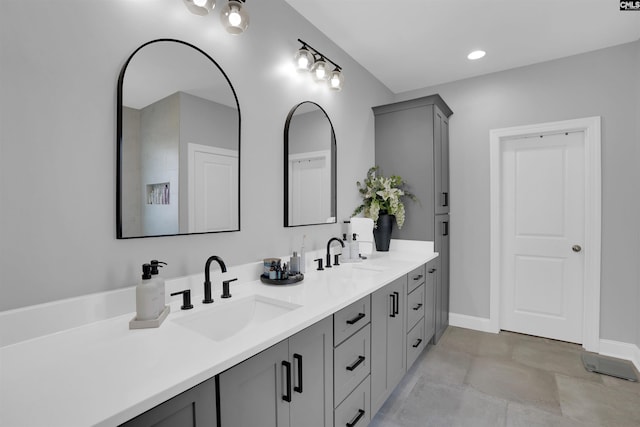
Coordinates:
(412, 141)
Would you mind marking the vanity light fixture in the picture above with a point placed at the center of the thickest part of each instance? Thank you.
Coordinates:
(200, 7)
(308, 58)
(234, 17)
(476, 54)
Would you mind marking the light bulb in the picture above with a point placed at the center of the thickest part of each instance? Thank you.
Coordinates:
(336, 80)
(319, 70)
(303, 59)
(200, 7)
(234, 17)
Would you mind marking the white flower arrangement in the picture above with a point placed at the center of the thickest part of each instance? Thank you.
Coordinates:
(382, 195)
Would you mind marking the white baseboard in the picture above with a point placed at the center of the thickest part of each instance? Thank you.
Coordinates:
(621, 350)
(471, 322)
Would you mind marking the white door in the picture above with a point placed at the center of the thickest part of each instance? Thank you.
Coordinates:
(310, 188)
(213, 189)
(543, 232)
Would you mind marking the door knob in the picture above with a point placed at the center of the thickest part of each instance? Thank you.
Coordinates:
(576, 248)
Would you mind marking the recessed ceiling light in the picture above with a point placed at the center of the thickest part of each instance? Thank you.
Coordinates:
(476, 54)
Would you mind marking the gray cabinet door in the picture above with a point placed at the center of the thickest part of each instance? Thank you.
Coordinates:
(441, 163)
(311, 356)
(442, 285)
(430, 299)
(195, 407)
(253, 393)
(388, 338)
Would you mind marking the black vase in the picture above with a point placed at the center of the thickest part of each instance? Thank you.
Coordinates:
(382, 233)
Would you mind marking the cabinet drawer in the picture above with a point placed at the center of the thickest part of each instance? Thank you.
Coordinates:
(416, 278)
(415, 343)
(415, 306)
(350, 319)
(355, 410)
(352, 363)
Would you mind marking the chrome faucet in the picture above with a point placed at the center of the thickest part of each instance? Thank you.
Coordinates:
(207, 282)
(329, 251)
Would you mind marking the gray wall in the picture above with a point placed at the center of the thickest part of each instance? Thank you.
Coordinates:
(60, 64)
(599, 83)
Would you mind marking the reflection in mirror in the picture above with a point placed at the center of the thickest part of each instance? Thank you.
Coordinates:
(310, 167)
(178, 143)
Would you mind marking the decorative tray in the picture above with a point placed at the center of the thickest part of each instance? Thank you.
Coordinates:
(291, 280)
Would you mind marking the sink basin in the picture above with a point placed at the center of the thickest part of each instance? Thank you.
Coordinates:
(224, 321)
(370, 267)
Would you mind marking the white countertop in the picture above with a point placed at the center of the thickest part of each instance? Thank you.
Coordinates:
(104, 374)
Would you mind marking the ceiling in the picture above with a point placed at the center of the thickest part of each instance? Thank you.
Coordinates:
(412, 44)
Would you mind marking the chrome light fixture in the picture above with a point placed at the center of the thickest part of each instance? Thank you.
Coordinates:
(200, 7)
(234, 17)
(310, 59)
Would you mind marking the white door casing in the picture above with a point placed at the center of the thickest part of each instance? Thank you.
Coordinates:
(542, 218)
(589, 257)
(212, 189)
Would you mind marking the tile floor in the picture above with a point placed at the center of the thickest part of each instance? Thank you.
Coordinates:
(478, 379)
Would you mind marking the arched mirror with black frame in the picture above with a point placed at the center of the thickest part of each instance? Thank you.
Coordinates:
(178, 143)
(309, 167)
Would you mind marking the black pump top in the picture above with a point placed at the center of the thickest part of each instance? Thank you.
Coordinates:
(344, 236)
(354, 236)
(154, 266)
(146, 271)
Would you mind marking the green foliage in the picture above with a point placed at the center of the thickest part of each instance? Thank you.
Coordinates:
(382, 195)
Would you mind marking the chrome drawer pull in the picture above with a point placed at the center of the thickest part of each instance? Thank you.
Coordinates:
(356, 363)
(418, 307)
(417, 343)
(418, 277)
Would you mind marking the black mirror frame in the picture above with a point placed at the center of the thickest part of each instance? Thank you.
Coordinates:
(334, 167)
(119, 141)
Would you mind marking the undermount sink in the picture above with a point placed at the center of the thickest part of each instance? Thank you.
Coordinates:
(224, 321)
(369, 267)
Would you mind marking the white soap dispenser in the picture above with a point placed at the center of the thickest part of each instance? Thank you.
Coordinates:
(146, 296)
(354, 248)
(159, 285)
